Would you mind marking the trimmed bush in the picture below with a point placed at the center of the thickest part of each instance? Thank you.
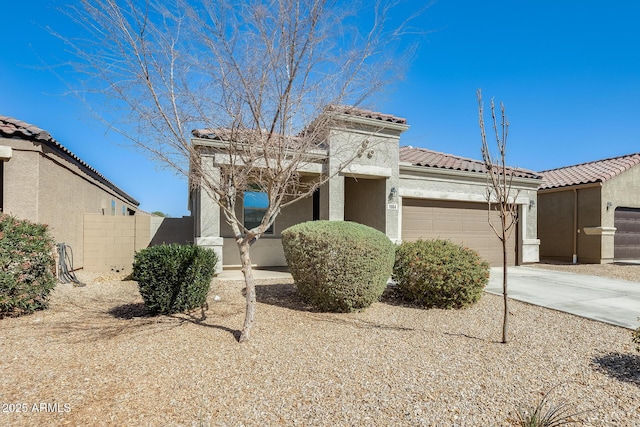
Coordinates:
(174, 278)
(338, 266)
(438, 273)
(27, 266)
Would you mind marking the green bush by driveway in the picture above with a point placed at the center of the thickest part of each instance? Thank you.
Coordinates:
(439, 273)
(337, 265)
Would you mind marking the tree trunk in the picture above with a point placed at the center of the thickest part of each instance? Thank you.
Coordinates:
(250, 284)
(505, 320)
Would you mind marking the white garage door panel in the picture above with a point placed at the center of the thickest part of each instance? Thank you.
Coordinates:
(464, 223)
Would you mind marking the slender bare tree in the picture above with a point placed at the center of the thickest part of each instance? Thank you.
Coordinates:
(265, 78)
(500, 195)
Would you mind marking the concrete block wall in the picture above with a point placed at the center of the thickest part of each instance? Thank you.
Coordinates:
(110, 242)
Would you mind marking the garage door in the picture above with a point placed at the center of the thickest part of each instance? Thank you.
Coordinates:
(461, 222)
(627, 238)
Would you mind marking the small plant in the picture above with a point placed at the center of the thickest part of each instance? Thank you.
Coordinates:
(27, 266)
(338, 266)
(636, 338)
(439, 273)
(547, 414)
(174, 278)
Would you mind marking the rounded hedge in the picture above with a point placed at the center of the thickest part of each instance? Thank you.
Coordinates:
(27, 266)
(174, 278)
(338, 266)
(439, 273)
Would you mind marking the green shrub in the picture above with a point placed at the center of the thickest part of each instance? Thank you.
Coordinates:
(174, 278)
(338, 266)
(438, 273)
(27, 266)
(636, 338)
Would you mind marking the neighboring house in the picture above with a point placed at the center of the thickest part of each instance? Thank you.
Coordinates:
(405, 192)
(42, 181)
(590, 212)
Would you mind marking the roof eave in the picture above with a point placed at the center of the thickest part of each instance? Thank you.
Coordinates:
(469, 175)
(570, 187)
(224, 145)
(370, 121)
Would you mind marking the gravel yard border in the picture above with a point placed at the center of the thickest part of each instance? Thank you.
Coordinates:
(96, 353)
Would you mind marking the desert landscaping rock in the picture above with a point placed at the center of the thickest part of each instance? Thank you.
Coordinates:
(97, 352)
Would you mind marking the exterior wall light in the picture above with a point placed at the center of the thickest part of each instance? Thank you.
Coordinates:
(609, 204)
(393, 193)
(532, 204)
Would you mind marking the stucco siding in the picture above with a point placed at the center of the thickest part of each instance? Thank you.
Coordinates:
(365, 202)
(266, 252)
(21, 177)
(622, 191)
(43, 186)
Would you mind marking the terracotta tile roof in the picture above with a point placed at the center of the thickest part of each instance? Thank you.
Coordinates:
(224, 134)
(434, 159)
(587, 173)
(13, 128)
(359, 112)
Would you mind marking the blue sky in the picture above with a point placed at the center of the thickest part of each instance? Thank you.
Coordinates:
(568, 72)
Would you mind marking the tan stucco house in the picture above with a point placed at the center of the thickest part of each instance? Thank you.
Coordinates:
(590, 212)
(405, 192)
(42, 181)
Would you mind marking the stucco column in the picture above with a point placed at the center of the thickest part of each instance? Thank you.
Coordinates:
(333, 199)
(392, 209)
(607, 241)
(207, 218)
(528, 213)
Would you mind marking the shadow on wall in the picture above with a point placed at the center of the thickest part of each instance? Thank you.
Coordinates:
(171, 230)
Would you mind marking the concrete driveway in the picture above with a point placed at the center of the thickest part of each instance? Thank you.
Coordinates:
(607, 300)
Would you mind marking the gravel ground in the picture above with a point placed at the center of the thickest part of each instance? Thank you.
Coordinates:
(94, 359)
(624, 271)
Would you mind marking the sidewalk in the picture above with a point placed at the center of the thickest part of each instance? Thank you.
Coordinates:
(607, 300)
(258, 274)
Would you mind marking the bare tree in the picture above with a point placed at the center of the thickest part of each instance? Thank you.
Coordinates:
(500, 195)
(264, 78)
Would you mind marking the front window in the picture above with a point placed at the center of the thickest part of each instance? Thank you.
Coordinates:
(255, 206)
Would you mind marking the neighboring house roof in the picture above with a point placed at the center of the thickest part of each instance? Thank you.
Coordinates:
(434, 159)
(13, 128)
(588, 173)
